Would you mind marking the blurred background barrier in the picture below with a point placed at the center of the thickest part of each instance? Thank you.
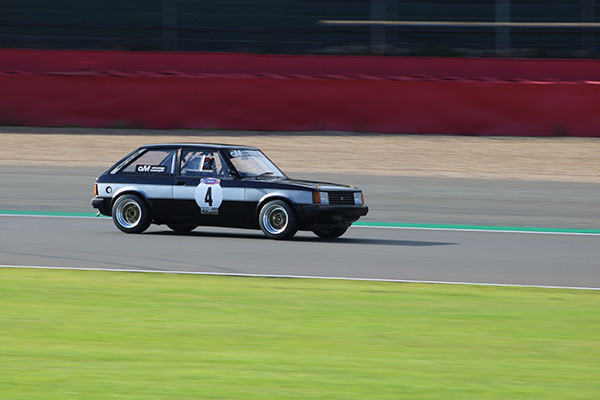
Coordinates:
(353, 65)
(272, 93)
(43, 61)
(474, 28)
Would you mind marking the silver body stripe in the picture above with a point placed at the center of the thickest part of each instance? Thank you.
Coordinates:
(297, 196)
(188, 193)
(148, 190)
(152, 191)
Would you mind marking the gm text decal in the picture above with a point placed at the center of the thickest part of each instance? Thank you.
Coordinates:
(150, 169)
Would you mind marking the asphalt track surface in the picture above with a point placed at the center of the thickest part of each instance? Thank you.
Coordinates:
(570, 260)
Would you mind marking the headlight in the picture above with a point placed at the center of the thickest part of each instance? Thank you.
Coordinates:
(320, 198)
(358, 198)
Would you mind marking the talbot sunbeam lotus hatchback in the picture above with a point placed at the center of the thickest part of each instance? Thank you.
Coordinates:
(188, 185)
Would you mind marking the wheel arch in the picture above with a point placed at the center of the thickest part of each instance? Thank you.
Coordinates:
(130, 190)
(276, 196)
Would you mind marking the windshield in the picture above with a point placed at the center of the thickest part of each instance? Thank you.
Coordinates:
(253, 163)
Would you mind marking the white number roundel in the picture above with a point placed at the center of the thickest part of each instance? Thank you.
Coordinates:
(209, 193)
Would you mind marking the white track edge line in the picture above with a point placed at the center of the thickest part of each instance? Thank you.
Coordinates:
(245, 275)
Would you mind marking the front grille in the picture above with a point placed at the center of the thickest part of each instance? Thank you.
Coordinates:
(343, 198)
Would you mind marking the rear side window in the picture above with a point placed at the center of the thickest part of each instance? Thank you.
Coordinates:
(161, 162)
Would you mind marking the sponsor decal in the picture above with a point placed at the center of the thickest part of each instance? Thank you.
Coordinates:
(151, 169)
(209, 211)
(211, 181)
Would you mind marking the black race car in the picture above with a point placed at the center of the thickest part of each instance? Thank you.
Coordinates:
(187, 185)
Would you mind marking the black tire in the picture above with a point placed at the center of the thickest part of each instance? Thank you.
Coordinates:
(330, 233)
(131, 214)
(182, 228)
(278, 220)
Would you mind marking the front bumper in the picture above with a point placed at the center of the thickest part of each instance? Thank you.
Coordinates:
(312, 216)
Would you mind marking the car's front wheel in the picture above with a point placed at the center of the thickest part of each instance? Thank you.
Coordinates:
(131, 214)
(278, 220)
(330, 233)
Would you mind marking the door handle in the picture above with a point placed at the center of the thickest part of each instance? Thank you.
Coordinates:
(180, 182)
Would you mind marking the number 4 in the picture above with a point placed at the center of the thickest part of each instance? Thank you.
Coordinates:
(208, 198)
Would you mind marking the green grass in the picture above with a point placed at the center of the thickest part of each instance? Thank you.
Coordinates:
(110, 335)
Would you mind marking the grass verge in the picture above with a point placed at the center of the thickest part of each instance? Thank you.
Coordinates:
(114, 335)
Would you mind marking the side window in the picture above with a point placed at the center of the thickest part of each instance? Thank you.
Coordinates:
(161, 162)
(203, 163)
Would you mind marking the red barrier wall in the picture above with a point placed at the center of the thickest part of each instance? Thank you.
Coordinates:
(40, 61)
(284, 102)
(480, 108)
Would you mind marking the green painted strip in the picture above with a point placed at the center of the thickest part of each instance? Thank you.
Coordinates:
(47, 213)
(359, 223)
(476, 227)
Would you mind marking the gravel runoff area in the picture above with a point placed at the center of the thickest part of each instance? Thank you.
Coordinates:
(525, 158)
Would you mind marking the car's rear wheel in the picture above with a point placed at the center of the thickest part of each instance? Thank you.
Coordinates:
(278, 220)
(182, 228)
(131, 214)
(330, 233)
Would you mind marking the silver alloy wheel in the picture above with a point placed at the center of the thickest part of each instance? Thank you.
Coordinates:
(128, 213)
(275, 219)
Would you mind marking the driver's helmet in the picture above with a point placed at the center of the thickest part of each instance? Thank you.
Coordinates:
(209, 163)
